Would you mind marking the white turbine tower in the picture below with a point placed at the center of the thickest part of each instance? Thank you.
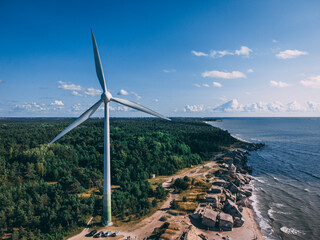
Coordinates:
(106, 97)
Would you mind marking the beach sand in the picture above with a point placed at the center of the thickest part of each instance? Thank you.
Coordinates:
(249, 231)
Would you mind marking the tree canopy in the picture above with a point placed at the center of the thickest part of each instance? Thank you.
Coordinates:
(41, 186)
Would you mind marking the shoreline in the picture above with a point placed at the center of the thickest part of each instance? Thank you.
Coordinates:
(251, 211)
(251, 228)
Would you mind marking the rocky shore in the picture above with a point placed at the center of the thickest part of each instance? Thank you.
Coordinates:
(225, 203)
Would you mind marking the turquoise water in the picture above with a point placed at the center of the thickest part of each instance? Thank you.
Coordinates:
(287, 173)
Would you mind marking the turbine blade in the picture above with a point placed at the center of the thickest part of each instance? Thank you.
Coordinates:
(98, 65)
(138, 107)
(78, 121)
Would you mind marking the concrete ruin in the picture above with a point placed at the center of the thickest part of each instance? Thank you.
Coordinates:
(225, 222)
(209, 218)
(228, 193)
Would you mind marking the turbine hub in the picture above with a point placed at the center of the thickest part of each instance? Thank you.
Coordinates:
(106, 97)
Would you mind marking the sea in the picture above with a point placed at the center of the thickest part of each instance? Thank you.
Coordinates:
(286, 185)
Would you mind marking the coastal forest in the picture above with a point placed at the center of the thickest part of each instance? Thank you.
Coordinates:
(45, 191)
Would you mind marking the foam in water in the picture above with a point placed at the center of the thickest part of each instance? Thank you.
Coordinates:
(271, 211)
(263, 224)
(255, 140)
(259, 179)
(291, 231)
(279, 205)
(238, 138)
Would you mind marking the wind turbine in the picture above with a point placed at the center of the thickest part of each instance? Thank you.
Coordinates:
(106, 97)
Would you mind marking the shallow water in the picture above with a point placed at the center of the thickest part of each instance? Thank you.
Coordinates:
(287, 173)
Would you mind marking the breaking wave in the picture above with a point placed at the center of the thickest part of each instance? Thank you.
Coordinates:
(271, 211)
(291, 231)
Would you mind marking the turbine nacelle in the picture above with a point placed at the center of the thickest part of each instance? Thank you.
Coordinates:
(106, 96)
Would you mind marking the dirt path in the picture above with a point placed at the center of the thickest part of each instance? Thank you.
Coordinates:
(146, 227)
(83, 233)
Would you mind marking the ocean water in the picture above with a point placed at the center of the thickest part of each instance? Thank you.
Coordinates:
(286, 174)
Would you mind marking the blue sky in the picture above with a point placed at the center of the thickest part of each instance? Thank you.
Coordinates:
(180, 58)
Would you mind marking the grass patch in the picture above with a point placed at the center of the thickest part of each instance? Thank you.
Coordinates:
(204, 169)
(89, 193)
(154, 182)
(131, 220)
(188, 206)
(52, 183)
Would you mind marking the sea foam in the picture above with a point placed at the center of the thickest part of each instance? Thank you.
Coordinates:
(271, 211)
(291, 231)
(263, 224)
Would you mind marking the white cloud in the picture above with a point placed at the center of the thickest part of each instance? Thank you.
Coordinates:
(169, 70)
(217, 84)
(212, 53)
(196, 85)
(119, 108)
(30, 107)
(123, 92)
(1, 81)
(57, 103)
(69, 86)
(92, 92)
(224, 53)
(101, 108)
(290, 54)
(205, 85)
(274, 41)
(313, 82)
(250, 70)
(75, 93)
(279, 84)
(136, 95)
(243, 51)
(194, 108)
(233, 106)
(156, 100)
(34, 107)
(255, 107)
(175, 110)
(313, 106)
(230, 106)
(223, 98)
(126, 93)
(199, 54)
(76, 88)
(295, 107)
(275, 106)
(76, 107)
(224, 75)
